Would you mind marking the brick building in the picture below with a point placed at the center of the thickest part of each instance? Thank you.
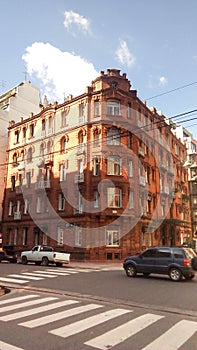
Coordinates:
(100, 176)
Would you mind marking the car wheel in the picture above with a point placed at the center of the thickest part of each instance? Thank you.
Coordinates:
(131, 271)
(24, 260)
(45, 261)
(175, 274)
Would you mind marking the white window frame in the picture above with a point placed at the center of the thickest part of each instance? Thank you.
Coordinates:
(61, 201)
(11, 208)
(78, 237)
(113, 237)
(16, 236)
(38, 204)
(131, 199)
(96, 166)
(114, 197)
(113, 107)
(130, 168)
(114, 165)
(26, 206)
(62, 172)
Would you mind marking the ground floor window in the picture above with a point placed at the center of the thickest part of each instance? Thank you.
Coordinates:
(60, 236)
(78, 237)
(25, 233)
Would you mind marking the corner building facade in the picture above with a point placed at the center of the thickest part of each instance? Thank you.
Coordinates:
(100, 176)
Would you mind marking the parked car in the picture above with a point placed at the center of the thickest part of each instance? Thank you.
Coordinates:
(176, 262)
(42, 254)
(8, 256)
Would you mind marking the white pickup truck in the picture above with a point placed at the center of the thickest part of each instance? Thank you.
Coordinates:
(42, 254)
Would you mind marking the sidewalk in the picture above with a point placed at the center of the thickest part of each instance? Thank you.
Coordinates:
(94, 265)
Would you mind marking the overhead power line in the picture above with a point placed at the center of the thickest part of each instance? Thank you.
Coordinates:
(168, 92)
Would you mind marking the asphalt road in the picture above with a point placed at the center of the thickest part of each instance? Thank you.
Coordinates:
(79, 309)
(156, 291)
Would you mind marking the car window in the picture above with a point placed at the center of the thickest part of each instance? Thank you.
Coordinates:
(150, 253)
(163, 253)
(179, 254)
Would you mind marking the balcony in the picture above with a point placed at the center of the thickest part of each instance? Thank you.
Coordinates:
(17, 215)
(79, 178)
(42, 184)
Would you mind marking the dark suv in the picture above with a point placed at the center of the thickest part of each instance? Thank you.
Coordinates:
(176, 262)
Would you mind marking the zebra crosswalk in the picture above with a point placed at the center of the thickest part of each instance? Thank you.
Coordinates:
(38, 275)
(115, 326)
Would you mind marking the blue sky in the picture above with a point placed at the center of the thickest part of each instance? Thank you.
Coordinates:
(64, 44)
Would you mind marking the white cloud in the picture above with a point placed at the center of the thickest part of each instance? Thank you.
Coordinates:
(75, 18)
(124, 56)
(163, 81)
(59, 73)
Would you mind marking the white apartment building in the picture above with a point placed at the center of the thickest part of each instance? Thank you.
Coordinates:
(15, 104)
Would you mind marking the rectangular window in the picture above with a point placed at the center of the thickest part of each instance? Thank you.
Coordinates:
(130, 168)
(38, 204)
(113, 238)
(96, 199)
(131, 199)
(44, 239)
(96, 166)
(62, 172)
(60, 236)
(64, 118)
(25, 234)
(61, 201)
(10, 211)
(78, 237)
(114, 165)
(97, 108)
(114, 197)
(129, 110)
(31, 130)
(28, 175)
(26, 206)
(13, 183)
(16, 236)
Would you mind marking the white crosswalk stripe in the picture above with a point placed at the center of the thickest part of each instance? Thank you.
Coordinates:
(12, 280)
(6, 346)
(27, 303)
(38, 275)
(173, 337)
(59, 315)
(12, 300)
(29, 277)
(29, 312)
(89, 322)
(123, 332)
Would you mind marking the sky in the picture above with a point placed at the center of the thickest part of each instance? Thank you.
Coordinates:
(62, 45)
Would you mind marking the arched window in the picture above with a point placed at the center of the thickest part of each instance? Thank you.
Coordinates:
(63, 144)
(80, 137)
(113, 107)
(15, 159)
